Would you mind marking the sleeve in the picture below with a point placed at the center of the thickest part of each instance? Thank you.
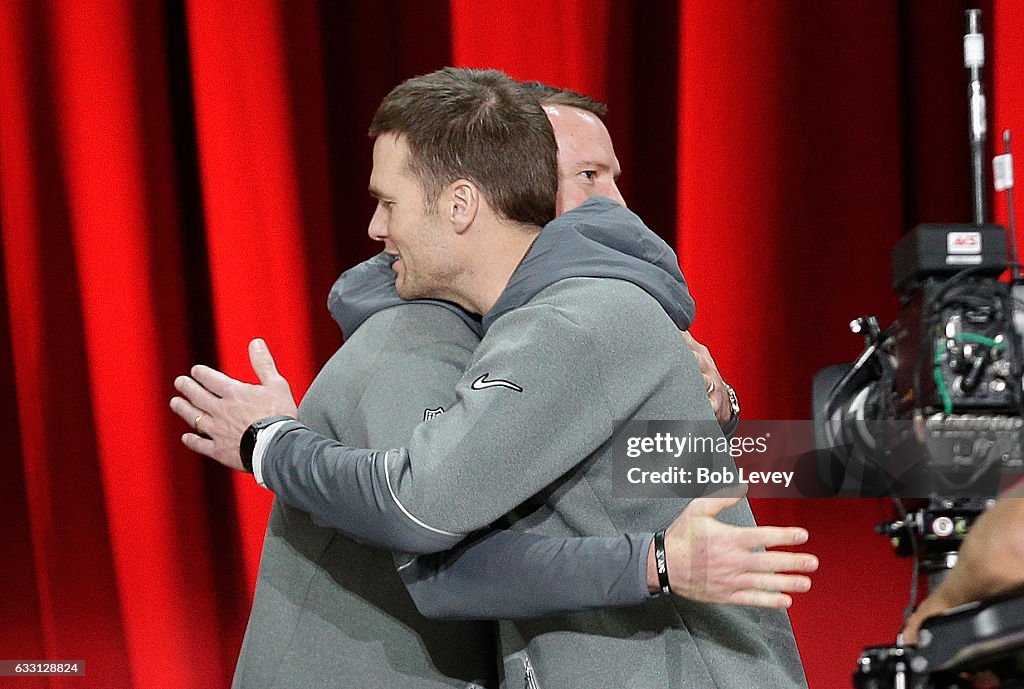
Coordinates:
(345, 488)
(529, 408)
(515, 575)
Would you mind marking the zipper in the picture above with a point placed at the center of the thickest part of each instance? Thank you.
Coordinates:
(531, 681)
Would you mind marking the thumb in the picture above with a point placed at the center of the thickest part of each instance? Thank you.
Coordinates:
(262, 361)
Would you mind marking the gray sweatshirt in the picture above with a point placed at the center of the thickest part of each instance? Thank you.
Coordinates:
(330, 610)
(563, 362)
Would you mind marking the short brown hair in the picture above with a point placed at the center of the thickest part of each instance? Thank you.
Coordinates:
(479, 125)
(551, 95)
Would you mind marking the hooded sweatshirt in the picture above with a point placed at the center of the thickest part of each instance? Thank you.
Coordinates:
(564, 360)
(330, 610)
(597, 239)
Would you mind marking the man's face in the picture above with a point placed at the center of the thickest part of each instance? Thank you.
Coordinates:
(410, 231)
(587, 165)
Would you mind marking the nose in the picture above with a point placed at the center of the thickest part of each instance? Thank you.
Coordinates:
(378, 227)
(614, 194)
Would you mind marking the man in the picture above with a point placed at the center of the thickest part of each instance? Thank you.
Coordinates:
(588, 167)
(465, 249)
(329, 607)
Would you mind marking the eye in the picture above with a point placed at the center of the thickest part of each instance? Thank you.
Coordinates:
(589, 175)
(386, 205)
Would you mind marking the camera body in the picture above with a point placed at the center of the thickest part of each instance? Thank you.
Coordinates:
(958, 376)
(933, 406)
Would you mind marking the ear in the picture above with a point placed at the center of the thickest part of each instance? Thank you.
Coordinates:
(464, 204)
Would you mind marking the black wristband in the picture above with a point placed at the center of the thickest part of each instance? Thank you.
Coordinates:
(661, 561)
(247, 444)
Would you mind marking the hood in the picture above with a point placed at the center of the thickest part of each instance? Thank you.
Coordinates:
(599, 239)
(368, 288)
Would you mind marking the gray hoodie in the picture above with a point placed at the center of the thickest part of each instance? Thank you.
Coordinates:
(563, 362)
(330, 610)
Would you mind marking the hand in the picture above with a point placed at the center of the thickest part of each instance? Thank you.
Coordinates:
(990, 562)
(713, 381)
(712, 562)
(220, 408)
(935, 604)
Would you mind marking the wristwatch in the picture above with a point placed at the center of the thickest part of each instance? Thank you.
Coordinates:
(729, 427)
(734, 403)
(248, 442)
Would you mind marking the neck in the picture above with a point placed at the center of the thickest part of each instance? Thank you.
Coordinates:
(494, 262)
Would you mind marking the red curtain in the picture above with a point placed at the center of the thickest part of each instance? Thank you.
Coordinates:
(175, 180)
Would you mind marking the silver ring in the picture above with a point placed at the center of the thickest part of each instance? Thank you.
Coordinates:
(195, 424)
(711, 387)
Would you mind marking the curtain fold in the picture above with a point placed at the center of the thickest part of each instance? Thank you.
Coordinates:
(789, 202)
(176, 179)
(247, 167)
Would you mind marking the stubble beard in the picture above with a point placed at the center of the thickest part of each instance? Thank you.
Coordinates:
(409, 287)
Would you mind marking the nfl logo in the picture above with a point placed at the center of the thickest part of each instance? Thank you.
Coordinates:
(429, 414)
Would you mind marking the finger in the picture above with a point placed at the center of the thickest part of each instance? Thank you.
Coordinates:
(200, 397)
(186, 410)
(198, 443)
(781, 561)
(771, 536)
(774, 583)
(213, 380)
(909, 634)
(698, 348)
(760, 599)
(262, 361)
(929, 607)
(709, 385)
(719, 396)
(720, 404)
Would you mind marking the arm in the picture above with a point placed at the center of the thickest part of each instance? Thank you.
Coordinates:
(514, 575)
(459, 473)
(462, 470)
(371, 496)
(991, 562)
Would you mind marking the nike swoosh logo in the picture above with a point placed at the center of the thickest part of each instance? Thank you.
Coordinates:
(482, 383)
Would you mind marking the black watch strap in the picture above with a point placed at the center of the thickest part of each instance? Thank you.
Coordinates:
(248, 442)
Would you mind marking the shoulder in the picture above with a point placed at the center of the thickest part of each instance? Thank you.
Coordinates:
(602, 315)
(407, 342)
(602, 303)
(412, 325)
